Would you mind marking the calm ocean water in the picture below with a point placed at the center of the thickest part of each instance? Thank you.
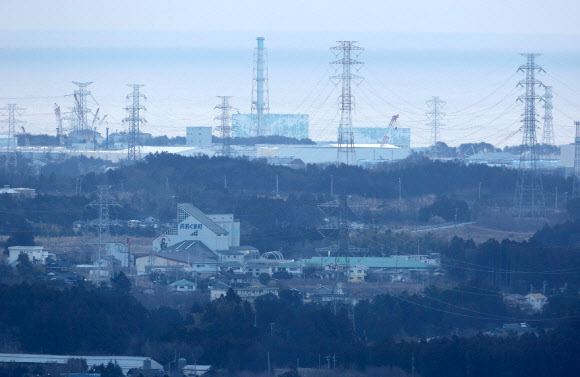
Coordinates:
(182, 84)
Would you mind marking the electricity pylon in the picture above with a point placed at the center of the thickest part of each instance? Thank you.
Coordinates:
(529, 195)
(346, 151)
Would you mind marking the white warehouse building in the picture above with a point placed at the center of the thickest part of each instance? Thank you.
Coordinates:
(217, 232)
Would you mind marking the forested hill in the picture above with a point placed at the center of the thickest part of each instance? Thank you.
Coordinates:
(169, 172)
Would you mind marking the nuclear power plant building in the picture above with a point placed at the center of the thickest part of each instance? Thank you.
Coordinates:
(289, 125)
(399, 137)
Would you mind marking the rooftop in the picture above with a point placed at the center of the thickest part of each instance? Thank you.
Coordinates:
(182, 282)
(372, 262)
(125, 362)
(202, 218)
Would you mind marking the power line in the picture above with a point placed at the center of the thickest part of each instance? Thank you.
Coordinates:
(225, 127)
(346, 62)
(435, 114)
(135, 121)
(548, 137)
(12, 121)
(103, 222)
(529, 193)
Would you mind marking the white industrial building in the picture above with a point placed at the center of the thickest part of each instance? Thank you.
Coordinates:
(198, 243)
(126, 363)
(217, 232)
(120, 252)
(327, 153)
(199, 137)
(36, 254)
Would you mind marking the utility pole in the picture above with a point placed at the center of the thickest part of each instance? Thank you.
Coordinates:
(12, 111)
(548, 137)
(400, 191)
(346, 151)
(277, 194)
(529, 194)
(135, 121)
(260, 91)
(225, 127)
(331, 185)
(576, 178)
(435, 115)
(103, 222)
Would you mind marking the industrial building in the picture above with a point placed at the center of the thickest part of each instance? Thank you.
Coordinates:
(260, 122)
(126, 363)
(289, 125)
(199, 137)
(324, 153)
(198, 243)
(36, 254)
(216, 232)
(399, 137)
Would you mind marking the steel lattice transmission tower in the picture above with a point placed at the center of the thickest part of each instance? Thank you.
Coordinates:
(12, 112)
(103, 222)
(260, 90)
(338, 229)
(225, 127)
(81, 108)
(548, 137)
(576, 178)
(135, 120)
(345, 134)
(435, 115)
(529, 195)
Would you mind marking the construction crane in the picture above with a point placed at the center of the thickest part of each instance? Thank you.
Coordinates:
(25, 136)
(96, 117)
(392, 125)
(59, 130)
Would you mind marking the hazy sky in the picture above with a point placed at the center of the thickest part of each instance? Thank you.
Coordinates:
(457, 16)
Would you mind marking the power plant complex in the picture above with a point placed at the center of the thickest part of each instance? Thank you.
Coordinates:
(259, 133)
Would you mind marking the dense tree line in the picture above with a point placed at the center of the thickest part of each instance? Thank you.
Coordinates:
(552, 255)
(232, 334)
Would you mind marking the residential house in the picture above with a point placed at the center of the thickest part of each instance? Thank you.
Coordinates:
(537, 300)
(182, 285)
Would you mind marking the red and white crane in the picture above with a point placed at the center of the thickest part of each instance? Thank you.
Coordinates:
(392, 125)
